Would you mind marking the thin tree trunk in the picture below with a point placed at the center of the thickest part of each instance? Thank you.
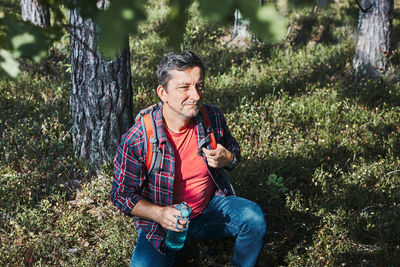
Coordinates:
(240, 26)
(101, 96)
(32, 11)
(373, 43)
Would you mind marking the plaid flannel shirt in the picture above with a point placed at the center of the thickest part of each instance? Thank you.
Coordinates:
(131, 182)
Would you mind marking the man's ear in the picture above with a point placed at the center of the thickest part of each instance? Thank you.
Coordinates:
(161, 91)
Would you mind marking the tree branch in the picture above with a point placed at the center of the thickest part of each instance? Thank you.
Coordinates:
(366, 9)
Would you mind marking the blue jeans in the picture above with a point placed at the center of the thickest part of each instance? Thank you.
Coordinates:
(223, 217)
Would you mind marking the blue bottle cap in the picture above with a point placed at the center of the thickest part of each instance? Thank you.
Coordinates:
(185, 212)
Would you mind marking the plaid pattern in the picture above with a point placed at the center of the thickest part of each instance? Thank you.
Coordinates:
(132, 184)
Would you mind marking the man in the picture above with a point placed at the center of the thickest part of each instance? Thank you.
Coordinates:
(190, 171)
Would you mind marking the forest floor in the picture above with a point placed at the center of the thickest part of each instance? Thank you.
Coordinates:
(320, 152)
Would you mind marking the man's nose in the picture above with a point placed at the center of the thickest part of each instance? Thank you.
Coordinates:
(194, 93)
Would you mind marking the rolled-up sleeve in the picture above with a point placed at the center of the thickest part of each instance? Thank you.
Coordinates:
(128, 176)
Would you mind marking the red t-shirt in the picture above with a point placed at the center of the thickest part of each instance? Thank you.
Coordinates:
(192, 183)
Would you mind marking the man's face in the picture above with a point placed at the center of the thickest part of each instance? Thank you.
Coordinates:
(184, 93)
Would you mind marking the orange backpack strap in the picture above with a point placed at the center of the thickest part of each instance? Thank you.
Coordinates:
(149, 132)
(207, 125)
(152, 146)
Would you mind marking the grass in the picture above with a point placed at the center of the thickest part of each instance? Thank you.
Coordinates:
(320, 152)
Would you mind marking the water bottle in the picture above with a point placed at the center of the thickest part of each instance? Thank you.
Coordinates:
(176, 240)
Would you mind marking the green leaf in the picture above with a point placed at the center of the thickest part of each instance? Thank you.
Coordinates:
(8, 63)
(272, 177)
(87, 8)
(265, 21)
(26, 40)
(19, 40)
(115, 23)
(175, 24)
(128, 14)
(272, 25)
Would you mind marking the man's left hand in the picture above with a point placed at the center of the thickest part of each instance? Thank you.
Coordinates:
(219, 157)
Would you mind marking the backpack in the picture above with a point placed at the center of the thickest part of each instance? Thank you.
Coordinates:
(152, 146)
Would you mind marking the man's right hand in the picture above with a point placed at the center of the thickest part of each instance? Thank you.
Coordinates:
(165, 216)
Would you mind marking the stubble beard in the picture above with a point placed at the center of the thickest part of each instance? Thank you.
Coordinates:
(196, 111)
(184, 113)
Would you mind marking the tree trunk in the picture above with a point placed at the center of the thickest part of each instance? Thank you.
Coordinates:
(101, 96)
(240, 26)
(372, 53)
(35, 13)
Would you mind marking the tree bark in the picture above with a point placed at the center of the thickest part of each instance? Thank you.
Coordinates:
(32, 11)
(101, 96)
(240, 26)
(372, 53)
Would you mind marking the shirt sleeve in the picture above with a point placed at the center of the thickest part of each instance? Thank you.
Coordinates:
(128, 176)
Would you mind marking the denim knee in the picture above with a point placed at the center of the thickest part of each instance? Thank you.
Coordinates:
(253, 218)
